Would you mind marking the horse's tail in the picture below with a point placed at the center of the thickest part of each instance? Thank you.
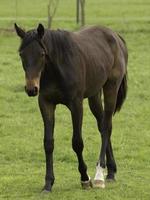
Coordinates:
(121, 38)
(122, 93)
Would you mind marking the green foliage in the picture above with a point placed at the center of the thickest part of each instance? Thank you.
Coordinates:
(22, 162)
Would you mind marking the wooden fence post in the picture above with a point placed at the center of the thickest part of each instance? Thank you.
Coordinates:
(82, 3)
(77, 11)
(80, 12)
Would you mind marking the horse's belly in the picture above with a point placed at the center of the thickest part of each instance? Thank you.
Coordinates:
(95, 79)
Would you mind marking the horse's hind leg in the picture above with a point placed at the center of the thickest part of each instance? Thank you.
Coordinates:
(76, 108)
(110, 162)
(96, 108)
(95, 104)
(110, 91)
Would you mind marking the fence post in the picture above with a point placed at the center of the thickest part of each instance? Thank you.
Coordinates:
(16, 10)
(82, 3)
(77, 11)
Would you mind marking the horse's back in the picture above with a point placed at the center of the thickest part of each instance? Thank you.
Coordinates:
(104, 40)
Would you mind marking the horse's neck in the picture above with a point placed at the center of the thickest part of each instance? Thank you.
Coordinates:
(61, 64)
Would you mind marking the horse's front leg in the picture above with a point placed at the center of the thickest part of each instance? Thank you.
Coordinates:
(76, 109)
(47, 111)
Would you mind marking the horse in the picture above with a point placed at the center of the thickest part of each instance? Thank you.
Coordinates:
(64, 67)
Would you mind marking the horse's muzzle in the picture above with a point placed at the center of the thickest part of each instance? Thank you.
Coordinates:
(31, 92)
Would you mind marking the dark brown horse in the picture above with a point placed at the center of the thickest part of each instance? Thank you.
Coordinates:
(63, 67)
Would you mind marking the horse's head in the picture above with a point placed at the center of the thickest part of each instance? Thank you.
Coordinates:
(33, 56)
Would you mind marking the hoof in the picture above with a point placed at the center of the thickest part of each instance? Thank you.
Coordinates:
(44, 191)
(99, 181)
(99, 184)
(110, 180)
(86, 184)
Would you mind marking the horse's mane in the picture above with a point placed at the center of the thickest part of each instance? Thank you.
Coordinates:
(60, 45)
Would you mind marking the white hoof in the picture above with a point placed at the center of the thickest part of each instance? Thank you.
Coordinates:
(99, 181)
(99, 184)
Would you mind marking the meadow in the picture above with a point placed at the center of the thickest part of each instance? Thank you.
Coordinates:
(22, 161)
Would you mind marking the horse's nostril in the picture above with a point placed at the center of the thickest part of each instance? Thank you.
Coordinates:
(25, 88)
(31, 92)
(35, 90)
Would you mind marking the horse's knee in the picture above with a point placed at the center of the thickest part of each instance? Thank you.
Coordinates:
(49, 145)
(77, 145)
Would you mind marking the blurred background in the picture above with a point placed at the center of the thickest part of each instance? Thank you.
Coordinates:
(22, 161)
(126, 14)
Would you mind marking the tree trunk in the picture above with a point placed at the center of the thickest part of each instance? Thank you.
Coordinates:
(49, 22)
(49, 17)
(52, 8)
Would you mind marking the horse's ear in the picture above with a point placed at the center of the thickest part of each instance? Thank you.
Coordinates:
(40, 30)
(21, 33)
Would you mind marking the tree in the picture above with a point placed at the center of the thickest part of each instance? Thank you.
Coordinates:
(52, 8)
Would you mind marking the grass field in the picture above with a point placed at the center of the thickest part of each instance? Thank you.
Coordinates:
(22, 162)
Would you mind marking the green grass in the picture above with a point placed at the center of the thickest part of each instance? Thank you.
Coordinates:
(22, 162)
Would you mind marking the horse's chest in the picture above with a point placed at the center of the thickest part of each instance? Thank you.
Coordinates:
(54, 94)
